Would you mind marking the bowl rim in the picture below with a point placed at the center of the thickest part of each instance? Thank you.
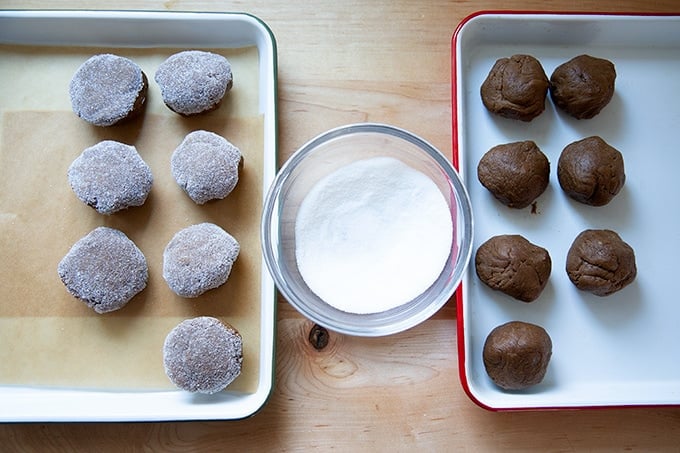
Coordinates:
(269, 232)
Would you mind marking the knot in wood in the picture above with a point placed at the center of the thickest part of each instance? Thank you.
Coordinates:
(318, 337)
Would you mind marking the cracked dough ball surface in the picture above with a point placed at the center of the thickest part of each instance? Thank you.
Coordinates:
(513, 265)
(516, 88)
(591, 171)
(600, 262)
(583, 86)
(515, 173)
(516, 355)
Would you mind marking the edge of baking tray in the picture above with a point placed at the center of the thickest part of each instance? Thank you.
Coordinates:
(28, 404)
(461, 292)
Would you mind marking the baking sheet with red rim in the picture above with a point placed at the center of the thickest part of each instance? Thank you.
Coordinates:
(607, 352)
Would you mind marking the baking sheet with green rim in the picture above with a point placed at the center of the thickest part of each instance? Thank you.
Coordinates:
(100, 30)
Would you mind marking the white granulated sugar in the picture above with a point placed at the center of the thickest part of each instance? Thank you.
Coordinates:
(372, 235)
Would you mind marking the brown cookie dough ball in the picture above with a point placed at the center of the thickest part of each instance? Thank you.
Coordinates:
(110, 176)
(591, 171)
(515, 173)
(203, 355)
(108, 89)
(583, 86)
(513, 265)
(104, 269)
(516, 355)
(194, 81)
(516, 88)
(199, 258)
(206, 166)
(600, 262)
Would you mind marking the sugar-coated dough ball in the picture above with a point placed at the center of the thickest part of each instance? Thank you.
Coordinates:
(516, 88)
(203, 355)
(591, 171)
(206, 166)
(600, 262)
(516, 355)
(104, 269)
(513, 265)
(107, 89)
(194, 81)
(583, 86)
(515, 173)
(199, 258)
(110, 176)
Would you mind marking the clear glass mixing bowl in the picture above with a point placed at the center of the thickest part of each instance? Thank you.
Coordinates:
(325, 154)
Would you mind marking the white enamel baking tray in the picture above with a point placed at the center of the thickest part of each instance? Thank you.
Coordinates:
(621, 350)
(154, 29)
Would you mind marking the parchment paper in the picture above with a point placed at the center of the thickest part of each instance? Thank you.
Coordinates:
(49, 338)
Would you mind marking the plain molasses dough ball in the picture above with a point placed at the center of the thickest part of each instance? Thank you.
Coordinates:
(199, 258)
(108, 89)
(583, 86)
(513, 265)
(104, 269)
(516, 355)
(194, 81)
(515, 173)
(110, 176)
(516, 88)
(591, 171)
(203, 355)
(600, 262)
(206, 166)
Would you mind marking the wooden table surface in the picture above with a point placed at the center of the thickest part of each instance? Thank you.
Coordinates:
(341, 62)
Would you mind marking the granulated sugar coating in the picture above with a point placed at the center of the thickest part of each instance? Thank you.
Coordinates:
(194, 81)
(203, 355)
(199, 258)
(206, 166)
(372, 235)
(104, 269)
(107, 89)
(110, 176)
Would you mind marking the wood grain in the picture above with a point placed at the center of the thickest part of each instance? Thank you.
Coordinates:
(339, 62)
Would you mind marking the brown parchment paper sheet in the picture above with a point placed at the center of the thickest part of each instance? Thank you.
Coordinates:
(49, 338)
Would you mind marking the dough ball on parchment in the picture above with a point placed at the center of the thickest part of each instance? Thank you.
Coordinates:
(199, 258)
(206, 166)
(104, 269)
(203, 355)
(194, 81)
(107, 89)
(110, 176)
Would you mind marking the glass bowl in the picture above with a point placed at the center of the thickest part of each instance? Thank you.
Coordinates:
(325, 154)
